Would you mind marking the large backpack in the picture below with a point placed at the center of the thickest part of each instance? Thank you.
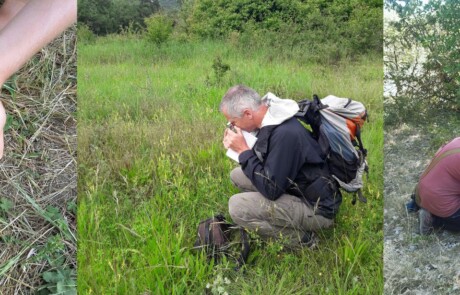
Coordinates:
(336, 124)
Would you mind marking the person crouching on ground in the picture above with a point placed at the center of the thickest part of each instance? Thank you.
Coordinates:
(287, 190)
(438, 190)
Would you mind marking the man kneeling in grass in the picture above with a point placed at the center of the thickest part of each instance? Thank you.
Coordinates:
(438, 191)
(287, 190)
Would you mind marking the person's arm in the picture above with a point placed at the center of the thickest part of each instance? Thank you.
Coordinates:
(9, 9)
(34, 26)
(280, 168)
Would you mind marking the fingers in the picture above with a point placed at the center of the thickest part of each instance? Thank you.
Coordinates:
(229, 138)
(234, 139)
(225, 140)
(238, 130)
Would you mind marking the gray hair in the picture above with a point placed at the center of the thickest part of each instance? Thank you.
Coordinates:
(238, 98)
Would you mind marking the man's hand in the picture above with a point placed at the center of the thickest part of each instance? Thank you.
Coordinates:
(235, 140)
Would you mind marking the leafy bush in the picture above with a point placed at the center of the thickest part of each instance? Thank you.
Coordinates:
(220, 68)
(159, 28)
(84, 34)
(355, 27)
(422, 57)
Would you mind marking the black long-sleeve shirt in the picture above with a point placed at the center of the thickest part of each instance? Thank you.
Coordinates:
(291, 161)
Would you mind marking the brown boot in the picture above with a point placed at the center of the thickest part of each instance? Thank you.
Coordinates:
(425, 219)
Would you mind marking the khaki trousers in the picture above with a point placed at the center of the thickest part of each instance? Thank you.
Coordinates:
(288, 217)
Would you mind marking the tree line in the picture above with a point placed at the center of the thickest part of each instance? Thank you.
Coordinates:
(110, 16)
(354, 25)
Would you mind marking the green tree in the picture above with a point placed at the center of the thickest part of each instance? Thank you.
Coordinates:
(435, 27)
(96, 15)
(109, 16)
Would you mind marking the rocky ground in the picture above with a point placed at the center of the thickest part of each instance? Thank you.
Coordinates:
(413, 264)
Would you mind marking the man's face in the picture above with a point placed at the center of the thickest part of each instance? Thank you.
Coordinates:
(245, 122)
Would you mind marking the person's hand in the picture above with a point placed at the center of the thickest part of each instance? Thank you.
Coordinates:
(2, 125)
(25, 31)
(235, 140)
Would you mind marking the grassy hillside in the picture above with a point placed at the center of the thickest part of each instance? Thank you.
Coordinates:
(152, 165)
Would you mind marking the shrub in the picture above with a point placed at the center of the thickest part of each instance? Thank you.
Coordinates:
(158, 28)
(84, 34)
(131, 31)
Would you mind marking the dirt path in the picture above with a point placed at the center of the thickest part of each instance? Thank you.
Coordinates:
(413, 264)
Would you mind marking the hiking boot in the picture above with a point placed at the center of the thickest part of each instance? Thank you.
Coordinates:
(309, 240)
(412, 207)
(425, 222)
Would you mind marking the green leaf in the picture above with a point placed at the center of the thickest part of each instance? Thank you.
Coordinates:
(53, 213)
(66, 287)
(72, 207)
(53, 276)
(5, 204)
(10, 87)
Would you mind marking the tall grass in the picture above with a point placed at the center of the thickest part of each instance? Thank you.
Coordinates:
(151, 166)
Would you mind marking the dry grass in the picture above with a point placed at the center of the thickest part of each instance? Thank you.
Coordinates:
(38, 171)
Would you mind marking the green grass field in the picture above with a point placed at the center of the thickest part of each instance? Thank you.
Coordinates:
(152, 165)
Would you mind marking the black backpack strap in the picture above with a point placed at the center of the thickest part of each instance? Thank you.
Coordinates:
(360, 142)
(319, 105)
(361, 197)
(348, 103)
(207, 233)
(245, 249)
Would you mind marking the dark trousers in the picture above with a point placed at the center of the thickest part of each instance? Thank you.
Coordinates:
(451, 223)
